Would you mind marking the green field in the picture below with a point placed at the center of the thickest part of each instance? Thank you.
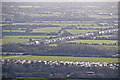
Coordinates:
(13, 30)
(75, 31)
(53, 45)
(28, 36)
(61, 58)
(46, 30)
(95, 41)
(13, 40)
(21, 39)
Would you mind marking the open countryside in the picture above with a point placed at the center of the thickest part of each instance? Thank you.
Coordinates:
(59, 40)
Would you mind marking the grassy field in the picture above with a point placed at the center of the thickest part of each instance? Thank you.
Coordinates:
(13, 40)
(13, 31)
(75, 31)
(61, 58)
(95, 41)
(28, 36)
(53, 45)
(21, 39)
(46, 30)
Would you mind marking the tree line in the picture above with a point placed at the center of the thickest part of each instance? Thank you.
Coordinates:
(62, 49)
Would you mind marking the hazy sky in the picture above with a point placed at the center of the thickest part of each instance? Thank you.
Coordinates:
(60, 0)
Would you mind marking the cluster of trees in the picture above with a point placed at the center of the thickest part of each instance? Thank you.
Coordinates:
(62, 49)
(16, 27)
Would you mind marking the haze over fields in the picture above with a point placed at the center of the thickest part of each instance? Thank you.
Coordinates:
(60, 40)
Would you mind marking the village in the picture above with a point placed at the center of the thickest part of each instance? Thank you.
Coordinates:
(63, 63)
(46, 41)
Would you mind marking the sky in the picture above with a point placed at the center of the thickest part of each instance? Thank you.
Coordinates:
(60, 0)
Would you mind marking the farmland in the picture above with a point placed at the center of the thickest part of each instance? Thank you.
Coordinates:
(60, 58)
(13, 40)
(47, 30)
(53, 45)
(77, 32)
(21, 39)
(95, 41)
(13, 30)
(43, 22)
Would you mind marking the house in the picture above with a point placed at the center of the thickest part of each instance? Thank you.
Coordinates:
(111, 14)
(102, 13)
(36, 42)
(91, 73)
